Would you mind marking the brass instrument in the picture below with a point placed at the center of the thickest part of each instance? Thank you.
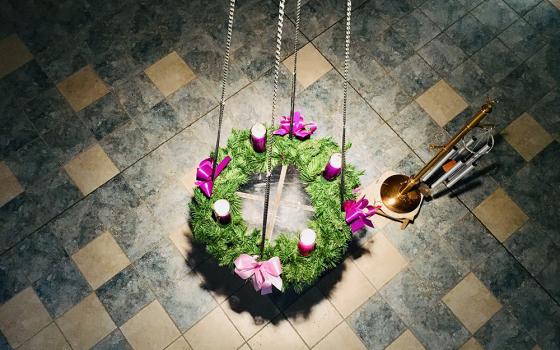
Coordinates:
(401, 193)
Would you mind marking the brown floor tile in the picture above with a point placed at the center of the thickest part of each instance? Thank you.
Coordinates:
(170, 73)
(22, 317)
(442, 103)
(311, 65)
(472, 303)
(49, 338)
(91, 169)
(86, 323)
(278, 329)
(406, 341)
(527, 136)
(214, 331)
(82, 88)
(471, 344)
(10, 187)
(13, 54)
(342, 337)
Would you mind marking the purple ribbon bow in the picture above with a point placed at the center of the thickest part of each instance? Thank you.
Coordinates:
(358, 212)
(300, 129)
(204, 174)
(264, 274)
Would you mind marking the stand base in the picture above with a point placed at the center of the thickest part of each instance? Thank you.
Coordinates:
(398, 203)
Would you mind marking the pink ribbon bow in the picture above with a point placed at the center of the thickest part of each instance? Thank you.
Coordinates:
(264, 274)
(204, 174)
(358, 212)
(300, 129)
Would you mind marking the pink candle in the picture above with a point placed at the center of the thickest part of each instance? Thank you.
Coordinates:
(333, 167)
(306, 242)
(221, 211)
(258, 137)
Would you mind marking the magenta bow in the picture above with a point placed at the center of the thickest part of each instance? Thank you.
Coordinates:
(358, 212)
(299, 130)
(204, 174)
(264, 274)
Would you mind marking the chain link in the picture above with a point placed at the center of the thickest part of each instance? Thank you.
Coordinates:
(225, 72)
(294, 75)
(345, 98)
(269, 138)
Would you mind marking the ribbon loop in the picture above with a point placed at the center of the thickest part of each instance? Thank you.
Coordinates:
(204, 174)
(358, 212)
(300, 129)
(263, 274)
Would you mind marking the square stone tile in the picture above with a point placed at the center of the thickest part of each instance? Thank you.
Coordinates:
(471, 344)
(49, 338)
(248, 311)
(346, 287)
(277, 329)
(100, 260)
(82, 88)
(342, 337)
(113, 341)
(500, 214)
(527, 136)
(472, 303)
(170, 73)
(91, 169)
(86, 323)
(22, 317)
(406, 341)
(151, 328)
(322, 317)
(13, 54)
(381, 261)
(311, 65)
(179, 344)
(214, 331)
(442, 103)
(10, 187)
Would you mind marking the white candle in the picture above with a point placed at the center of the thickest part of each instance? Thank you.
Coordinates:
(221, 211)
(306, 242)
(333, 167)
(258, 137)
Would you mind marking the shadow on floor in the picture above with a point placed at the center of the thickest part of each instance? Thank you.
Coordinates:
(222, 282)
(467, 184)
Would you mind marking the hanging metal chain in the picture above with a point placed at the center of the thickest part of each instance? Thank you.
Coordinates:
(345, 98)
(269, 138)
(225, 71)
(294, 75)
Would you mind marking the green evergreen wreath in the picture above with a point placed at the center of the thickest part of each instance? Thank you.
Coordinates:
(226, 242)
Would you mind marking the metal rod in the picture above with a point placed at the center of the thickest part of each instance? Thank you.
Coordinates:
(294, 75)
(461, 175)
(475, 120)
(448, 174)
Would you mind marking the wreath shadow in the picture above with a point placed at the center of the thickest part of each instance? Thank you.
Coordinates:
(225, 286)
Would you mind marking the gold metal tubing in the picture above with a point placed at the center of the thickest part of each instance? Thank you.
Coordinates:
(477, 118)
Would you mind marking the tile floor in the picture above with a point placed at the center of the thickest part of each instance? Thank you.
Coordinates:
(106, 108)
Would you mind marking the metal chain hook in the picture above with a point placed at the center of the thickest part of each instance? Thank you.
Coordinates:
(345, 98)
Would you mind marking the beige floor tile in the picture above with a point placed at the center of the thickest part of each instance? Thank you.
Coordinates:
(86, 323)
(91, 169)
(537, 347)
(244, 347)
(151, 328)
(82, 88)
(556, 3)
(182, 238)
(170, 73)
(311, 65)
(321, 319)
(342, 337)
(100, 260)
(527, 136)
(406, 341)
(248, 311)
(472, 302)
(441, 102)
(347, 288)
(278, 329)
(13, 54)
(500, 215)
(22, 317)
(381, 261)
(214, 331)
(188, 180)
(471, 344)
(49, 338)
(10, 187)
(179, 344)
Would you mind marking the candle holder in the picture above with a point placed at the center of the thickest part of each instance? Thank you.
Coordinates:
(258, 137)
(333, 167)
(306, 242)
(221, 211)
